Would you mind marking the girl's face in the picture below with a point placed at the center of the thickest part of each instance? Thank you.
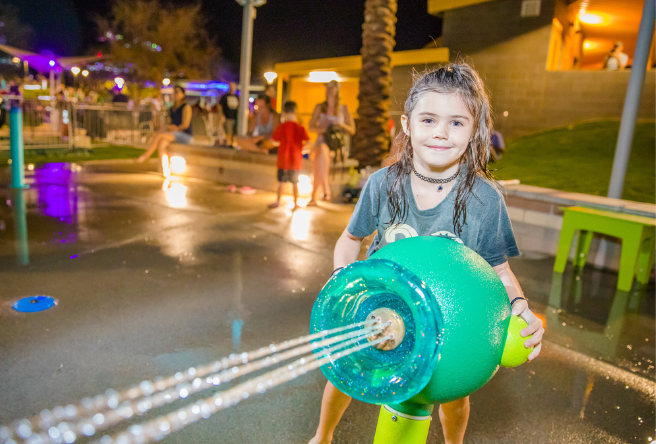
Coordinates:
(331, 90)
(178, 95)
(440, 128)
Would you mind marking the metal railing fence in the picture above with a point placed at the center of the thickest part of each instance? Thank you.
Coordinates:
(65, 124)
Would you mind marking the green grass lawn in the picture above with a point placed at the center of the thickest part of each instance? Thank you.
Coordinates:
(38, 156)
(579, 158)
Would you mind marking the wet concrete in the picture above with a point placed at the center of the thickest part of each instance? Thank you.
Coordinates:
(153, 277)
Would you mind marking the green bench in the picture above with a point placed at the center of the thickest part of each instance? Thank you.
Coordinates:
(636, 233)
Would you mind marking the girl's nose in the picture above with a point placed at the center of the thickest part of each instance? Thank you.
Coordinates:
(440, 131)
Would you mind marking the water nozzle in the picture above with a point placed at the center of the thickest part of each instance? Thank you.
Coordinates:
(395, 327)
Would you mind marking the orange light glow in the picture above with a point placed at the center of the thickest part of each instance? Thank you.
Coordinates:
(589, 45)
(594, 18)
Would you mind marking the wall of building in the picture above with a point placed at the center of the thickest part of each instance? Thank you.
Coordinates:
(510, 53)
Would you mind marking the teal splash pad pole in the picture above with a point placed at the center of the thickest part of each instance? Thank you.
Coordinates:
(16, 146)
(20, 226)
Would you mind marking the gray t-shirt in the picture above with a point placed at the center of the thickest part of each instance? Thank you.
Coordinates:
(487, 230)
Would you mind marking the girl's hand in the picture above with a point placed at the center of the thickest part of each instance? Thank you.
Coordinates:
(535, 327)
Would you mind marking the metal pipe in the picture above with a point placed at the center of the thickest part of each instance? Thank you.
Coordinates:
(20, 227)
(16, 147)
(630, 111)
(245, 65)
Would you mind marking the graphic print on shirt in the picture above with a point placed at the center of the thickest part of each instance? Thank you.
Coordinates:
(403, 231)
(398, 232)
(233, 102)
(448, 235)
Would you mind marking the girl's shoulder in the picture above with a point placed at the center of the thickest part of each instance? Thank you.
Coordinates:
(379, 176)
(487, 191)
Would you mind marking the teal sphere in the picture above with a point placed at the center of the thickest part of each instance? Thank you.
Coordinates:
(475, 312)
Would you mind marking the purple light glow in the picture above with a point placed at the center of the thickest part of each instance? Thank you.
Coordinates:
(56, 194)
(208, 85)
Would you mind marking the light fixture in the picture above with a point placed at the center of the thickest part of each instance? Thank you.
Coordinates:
(270, 77)
(51, 63)
(85, 73)
(119, 81)
(589, 44)
(594, 18)
(166, 82)
(323, 76)
(15, 60)
(75, 70)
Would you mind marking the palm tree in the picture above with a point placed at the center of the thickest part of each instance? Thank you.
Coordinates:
(378, 32)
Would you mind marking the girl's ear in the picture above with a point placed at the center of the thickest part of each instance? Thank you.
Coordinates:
(404, 124)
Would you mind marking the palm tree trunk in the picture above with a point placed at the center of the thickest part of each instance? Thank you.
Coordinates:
(371, 139)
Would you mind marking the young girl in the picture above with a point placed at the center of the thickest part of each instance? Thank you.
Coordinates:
(439, 186)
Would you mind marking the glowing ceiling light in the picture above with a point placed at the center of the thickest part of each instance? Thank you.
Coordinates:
(270, 77)
(594, 18)
(75, 70)
(166, 82)
(119, 82)
(85, 73)
(15, 60)
(323, 76)
(51, 63)
(589, 45)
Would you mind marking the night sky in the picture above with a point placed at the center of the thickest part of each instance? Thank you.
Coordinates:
(285, 30)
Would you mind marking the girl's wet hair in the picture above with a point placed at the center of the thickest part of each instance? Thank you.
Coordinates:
(453, 78)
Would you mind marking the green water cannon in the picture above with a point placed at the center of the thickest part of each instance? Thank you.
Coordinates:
(448, 317)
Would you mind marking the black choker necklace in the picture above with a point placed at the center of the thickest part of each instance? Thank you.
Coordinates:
(431, 180)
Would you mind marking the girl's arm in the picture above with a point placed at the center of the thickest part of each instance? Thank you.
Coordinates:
(520, 308)
(186, 118)
(346, 250)
(314, 121)
(348, 124)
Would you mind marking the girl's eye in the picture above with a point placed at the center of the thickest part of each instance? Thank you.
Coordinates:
(427, 120)
(457, 123)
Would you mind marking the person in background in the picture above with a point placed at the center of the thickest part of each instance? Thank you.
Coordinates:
(271, 92)
(260, 127)
(329, 113)
(229, 104)
(497, 145)
(291, 136)
(616, 60)
(179, 130)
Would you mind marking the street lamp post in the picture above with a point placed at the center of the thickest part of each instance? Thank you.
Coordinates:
(245, 63)
(632, 100)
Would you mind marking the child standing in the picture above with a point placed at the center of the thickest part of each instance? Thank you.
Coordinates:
(439, 185)
(291, 135)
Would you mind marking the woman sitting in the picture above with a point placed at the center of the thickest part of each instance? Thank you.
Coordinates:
(179, 130)
(260, 127)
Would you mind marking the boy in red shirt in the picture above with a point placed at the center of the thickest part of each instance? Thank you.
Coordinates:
(291, 136)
